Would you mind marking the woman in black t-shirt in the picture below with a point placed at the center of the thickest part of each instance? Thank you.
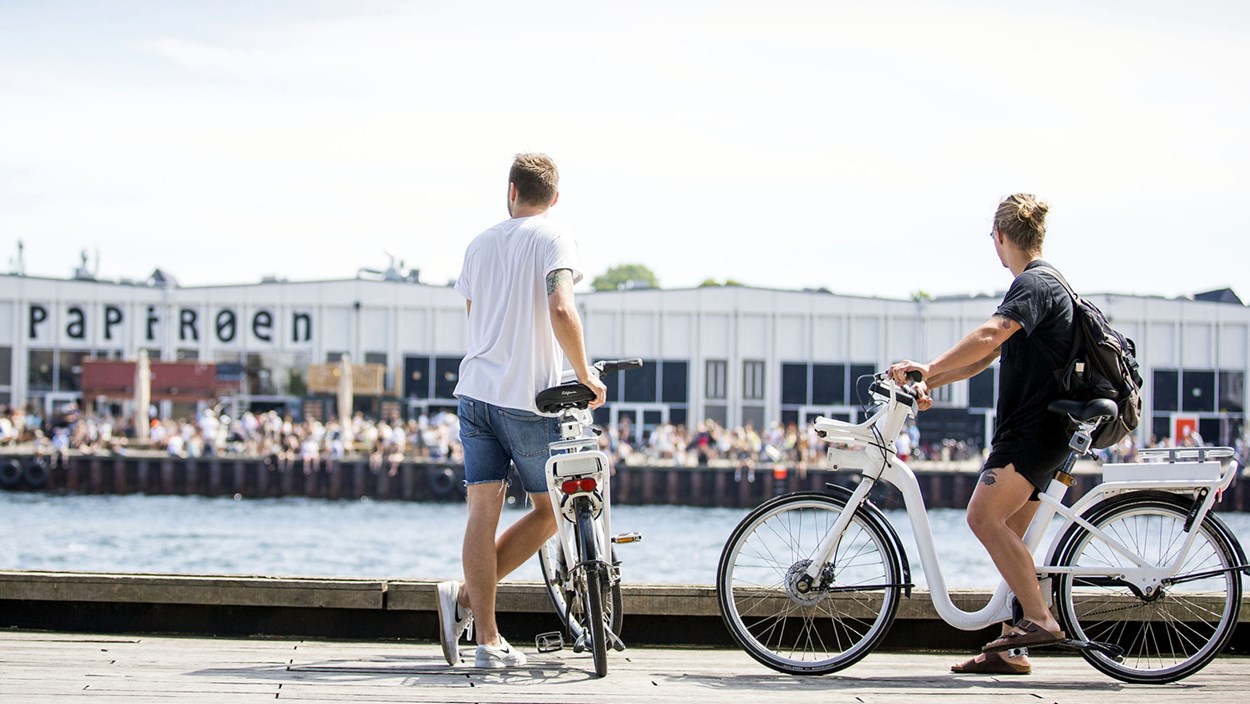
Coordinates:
(1031, 332)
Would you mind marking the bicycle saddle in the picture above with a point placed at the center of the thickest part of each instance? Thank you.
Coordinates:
(558, 398)
(1086, 410)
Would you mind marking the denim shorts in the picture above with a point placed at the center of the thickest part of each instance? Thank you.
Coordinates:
(494, 437)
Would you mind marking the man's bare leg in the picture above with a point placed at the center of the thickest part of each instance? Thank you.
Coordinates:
(517, 544)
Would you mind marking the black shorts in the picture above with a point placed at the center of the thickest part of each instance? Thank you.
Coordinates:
(1035, 462)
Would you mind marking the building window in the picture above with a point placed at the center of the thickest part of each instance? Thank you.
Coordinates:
(828, 384)
(715, 382)
(416, 377)
(1198, 391)
(41, 368)
(1232, 389)
(640, 384)
(446, 376)
(430, 377)
(753, 380)
(675, 383)
(980, 389)
(1164, 389)
(70, 370)
(795, 384)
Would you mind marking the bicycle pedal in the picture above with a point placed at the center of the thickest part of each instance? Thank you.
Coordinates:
(624, 538)
(549, 642)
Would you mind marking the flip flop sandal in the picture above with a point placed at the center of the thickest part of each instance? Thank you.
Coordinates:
(1030, 635)
(993, 664)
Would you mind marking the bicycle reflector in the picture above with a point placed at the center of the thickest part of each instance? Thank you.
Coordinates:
(573, 486)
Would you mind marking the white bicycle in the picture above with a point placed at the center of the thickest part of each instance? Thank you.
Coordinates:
(580, 570)
(1145, 579)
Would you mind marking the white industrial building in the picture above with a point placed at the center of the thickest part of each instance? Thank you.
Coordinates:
(733, 354)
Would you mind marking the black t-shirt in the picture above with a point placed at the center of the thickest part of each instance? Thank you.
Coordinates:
(1028, 436)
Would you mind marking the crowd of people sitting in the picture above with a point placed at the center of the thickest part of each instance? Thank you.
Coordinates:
(435, 437)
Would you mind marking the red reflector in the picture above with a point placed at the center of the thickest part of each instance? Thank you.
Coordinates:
(573, 486)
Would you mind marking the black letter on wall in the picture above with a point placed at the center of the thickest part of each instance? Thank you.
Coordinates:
(226, 324)
(301, 320)
(112, 316)
(187, 316)
(152, 321)
(38, 314)
(263, 320)
(77, 328)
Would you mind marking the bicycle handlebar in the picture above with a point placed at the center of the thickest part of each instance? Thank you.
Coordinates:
(616, 365)
(882, 385)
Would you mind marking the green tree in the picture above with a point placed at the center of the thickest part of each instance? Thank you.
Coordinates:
(623, 275)
(713, 282)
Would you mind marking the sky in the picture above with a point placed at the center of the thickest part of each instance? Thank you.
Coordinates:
(857, 146)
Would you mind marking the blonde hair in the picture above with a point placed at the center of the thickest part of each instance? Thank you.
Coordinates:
(1021, 217)
(536, 178)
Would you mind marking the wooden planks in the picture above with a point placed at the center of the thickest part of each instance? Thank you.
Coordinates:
(49, 667)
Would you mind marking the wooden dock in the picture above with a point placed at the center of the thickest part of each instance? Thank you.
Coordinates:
(38, 667)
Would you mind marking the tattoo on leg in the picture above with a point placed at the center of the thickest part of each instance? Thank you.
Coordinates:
(557, 279)
(988, 477)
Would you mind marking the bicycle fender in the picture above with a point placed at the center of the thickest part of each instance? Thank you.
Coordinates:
(870, 510)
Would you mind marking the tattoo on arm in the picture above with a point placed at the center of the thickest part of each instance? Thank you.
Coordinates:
(988, 477)
(558, 279)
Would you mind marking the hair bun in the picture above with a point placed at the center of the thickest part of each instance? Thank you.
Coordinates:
(1028, 207)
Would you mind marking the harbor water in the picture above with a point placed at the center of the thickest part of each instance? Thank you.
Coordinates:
(381, 539)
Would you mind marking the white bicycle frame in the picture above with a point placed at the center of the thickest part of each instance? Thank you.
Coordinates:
(579, 457)
(876, 457)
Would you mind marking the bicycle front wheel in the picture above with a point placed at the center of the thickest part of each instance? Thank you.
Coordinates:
(835, 623)
(1169, 633)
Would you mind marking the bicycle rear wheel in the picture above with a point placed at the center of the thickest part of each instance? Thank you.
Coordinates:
(567, 606)
(1171, 633)
(835, 624)
(592, 578)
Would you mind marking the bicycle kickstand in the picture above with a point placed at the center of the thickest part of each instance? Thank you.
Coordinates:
(615, 641)
(1109, 649)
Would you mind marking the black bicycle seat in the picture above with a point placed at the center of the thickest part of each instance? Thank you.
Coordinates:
(1086, 410)
(558, 398)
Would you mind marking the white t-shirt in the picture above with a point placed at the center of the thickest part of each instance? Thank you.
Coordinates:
(513, 352)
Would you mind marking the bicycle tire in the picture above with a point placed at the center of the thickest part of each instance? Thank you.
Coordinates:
(825, 630)
(1167, 637)
(552, 565)
(594, 577)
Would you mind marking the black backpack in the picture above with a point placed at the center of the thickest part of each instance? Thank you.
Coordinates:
(1102, 364)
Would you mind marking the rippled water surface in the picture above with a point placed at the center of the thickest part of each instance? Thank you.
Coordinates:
(198, 535)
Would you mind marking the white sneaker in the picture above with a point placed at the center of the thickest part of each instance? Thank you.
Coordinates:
(502, 655)
(452, 625)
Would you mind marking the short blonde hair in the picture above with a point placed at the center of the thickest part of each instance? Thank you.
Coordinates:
(1021, 217)
(536, 178)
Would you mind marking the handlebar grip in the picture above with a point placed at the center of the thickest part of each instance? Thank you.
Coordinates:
(914, 376)
(619, 365)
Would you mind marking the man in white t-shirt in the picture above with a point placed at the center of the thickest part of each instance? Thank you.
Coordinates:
(517, 281)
